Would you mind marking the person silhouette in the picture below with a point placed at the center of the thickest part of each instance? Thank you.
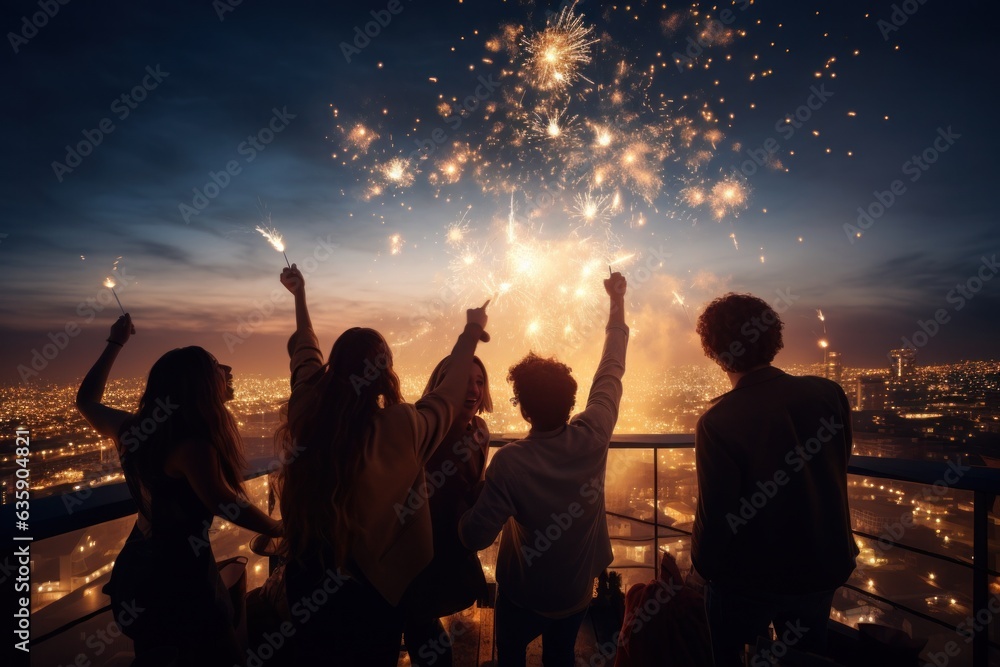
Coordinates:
(181, 454)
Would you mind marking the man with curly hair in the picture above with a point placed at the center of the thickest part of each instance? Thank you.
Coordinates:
(772, 535)
(546, 492)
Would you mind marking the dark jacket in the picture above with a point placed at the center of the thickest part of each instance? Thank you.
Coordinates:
(772, 473)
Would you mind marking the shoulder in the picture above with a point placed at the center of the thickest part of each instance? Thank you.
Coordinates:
(508, 457)
(401, 415)
(815, 384)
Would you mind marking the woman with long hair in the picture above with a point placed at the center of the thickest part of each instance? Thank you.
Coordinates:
(182, 458)
(354, 455)
(454, 580)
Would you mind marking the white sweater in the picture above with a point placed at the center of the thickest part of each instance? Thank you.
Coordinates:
(547, 494)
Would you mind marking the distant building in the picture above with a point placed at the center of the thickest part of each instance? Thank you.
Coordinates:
(834, 367)
(903, 363)
(871, 394)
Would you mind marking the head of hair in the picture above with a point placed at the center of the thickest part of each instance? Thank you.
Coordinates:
(485, 405)
(740, 332)
(184, 399)
(545, 390)
(322, 446)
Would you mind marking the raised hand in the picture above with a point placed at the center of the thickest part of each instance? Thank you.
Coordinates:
(616, 286)
(121, 330)
(292, 279)
(478, 316)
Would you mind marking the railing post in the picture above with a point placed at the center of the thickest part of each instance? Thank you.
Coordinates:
(656, 508)
(982, 501)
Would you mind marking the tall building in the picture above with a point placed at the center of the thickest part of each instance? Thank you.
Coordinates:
(871, 394)
(903, 363)
(834, 367)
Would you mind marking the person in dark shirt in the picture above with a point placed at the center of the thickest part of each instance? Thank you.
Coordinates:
(772, 534)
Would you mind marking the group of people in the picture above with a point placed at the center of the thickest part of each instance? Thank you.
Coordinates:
(384, 504)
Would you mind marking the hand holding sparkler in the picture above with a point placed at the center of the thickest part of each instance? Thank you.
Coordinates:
(478, 316)
(121, 330)
(293, 281)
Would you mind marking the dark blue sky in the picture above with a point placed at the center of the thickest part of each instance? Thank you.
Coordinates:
(281, 65)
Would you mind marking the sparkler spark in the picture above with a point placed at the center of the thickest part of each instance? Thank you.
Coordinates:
(109, 282)
(275, 239)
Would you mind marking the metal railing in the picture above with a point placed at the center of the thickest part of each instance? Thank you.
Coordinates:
(52, 517)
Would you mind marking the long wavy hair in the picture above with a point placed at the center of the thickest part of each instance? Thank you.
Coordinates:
(323, 447)
(183, 400)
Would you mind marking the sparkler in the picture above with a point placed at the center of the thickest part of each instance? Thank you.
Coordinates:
(109, 282)
(276, 241)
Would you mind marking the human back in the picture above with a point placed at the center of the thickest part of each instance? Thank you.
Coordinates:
(791, 439)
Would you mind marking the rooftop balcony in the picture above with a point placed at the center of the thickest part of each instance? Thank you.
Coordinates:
(933, 577)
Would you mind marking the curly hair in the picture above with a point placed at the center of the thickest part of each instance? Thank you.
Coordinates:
(545, 390)
(740, 332)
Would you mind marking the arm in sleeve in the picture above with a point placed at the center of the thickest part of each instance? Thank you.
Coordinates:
(478, 528)
(717, 519)
(601, 412)
(306, 358)
(435, 412)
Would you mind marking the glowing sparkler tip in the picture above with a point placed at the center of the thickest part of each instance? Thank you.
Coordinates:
(273, 237)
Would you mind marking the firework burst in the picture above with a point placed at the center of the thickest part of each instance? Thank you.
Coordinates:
(556, 54)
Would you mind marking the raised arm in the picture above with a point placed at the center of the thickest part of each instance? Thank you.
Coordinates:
(303, 348)
(294, 282)
(106, 421)
(601, 412)
(436, 410)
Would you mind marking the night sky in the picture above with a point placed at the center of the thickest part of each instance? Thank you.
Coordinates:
(190, 89)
